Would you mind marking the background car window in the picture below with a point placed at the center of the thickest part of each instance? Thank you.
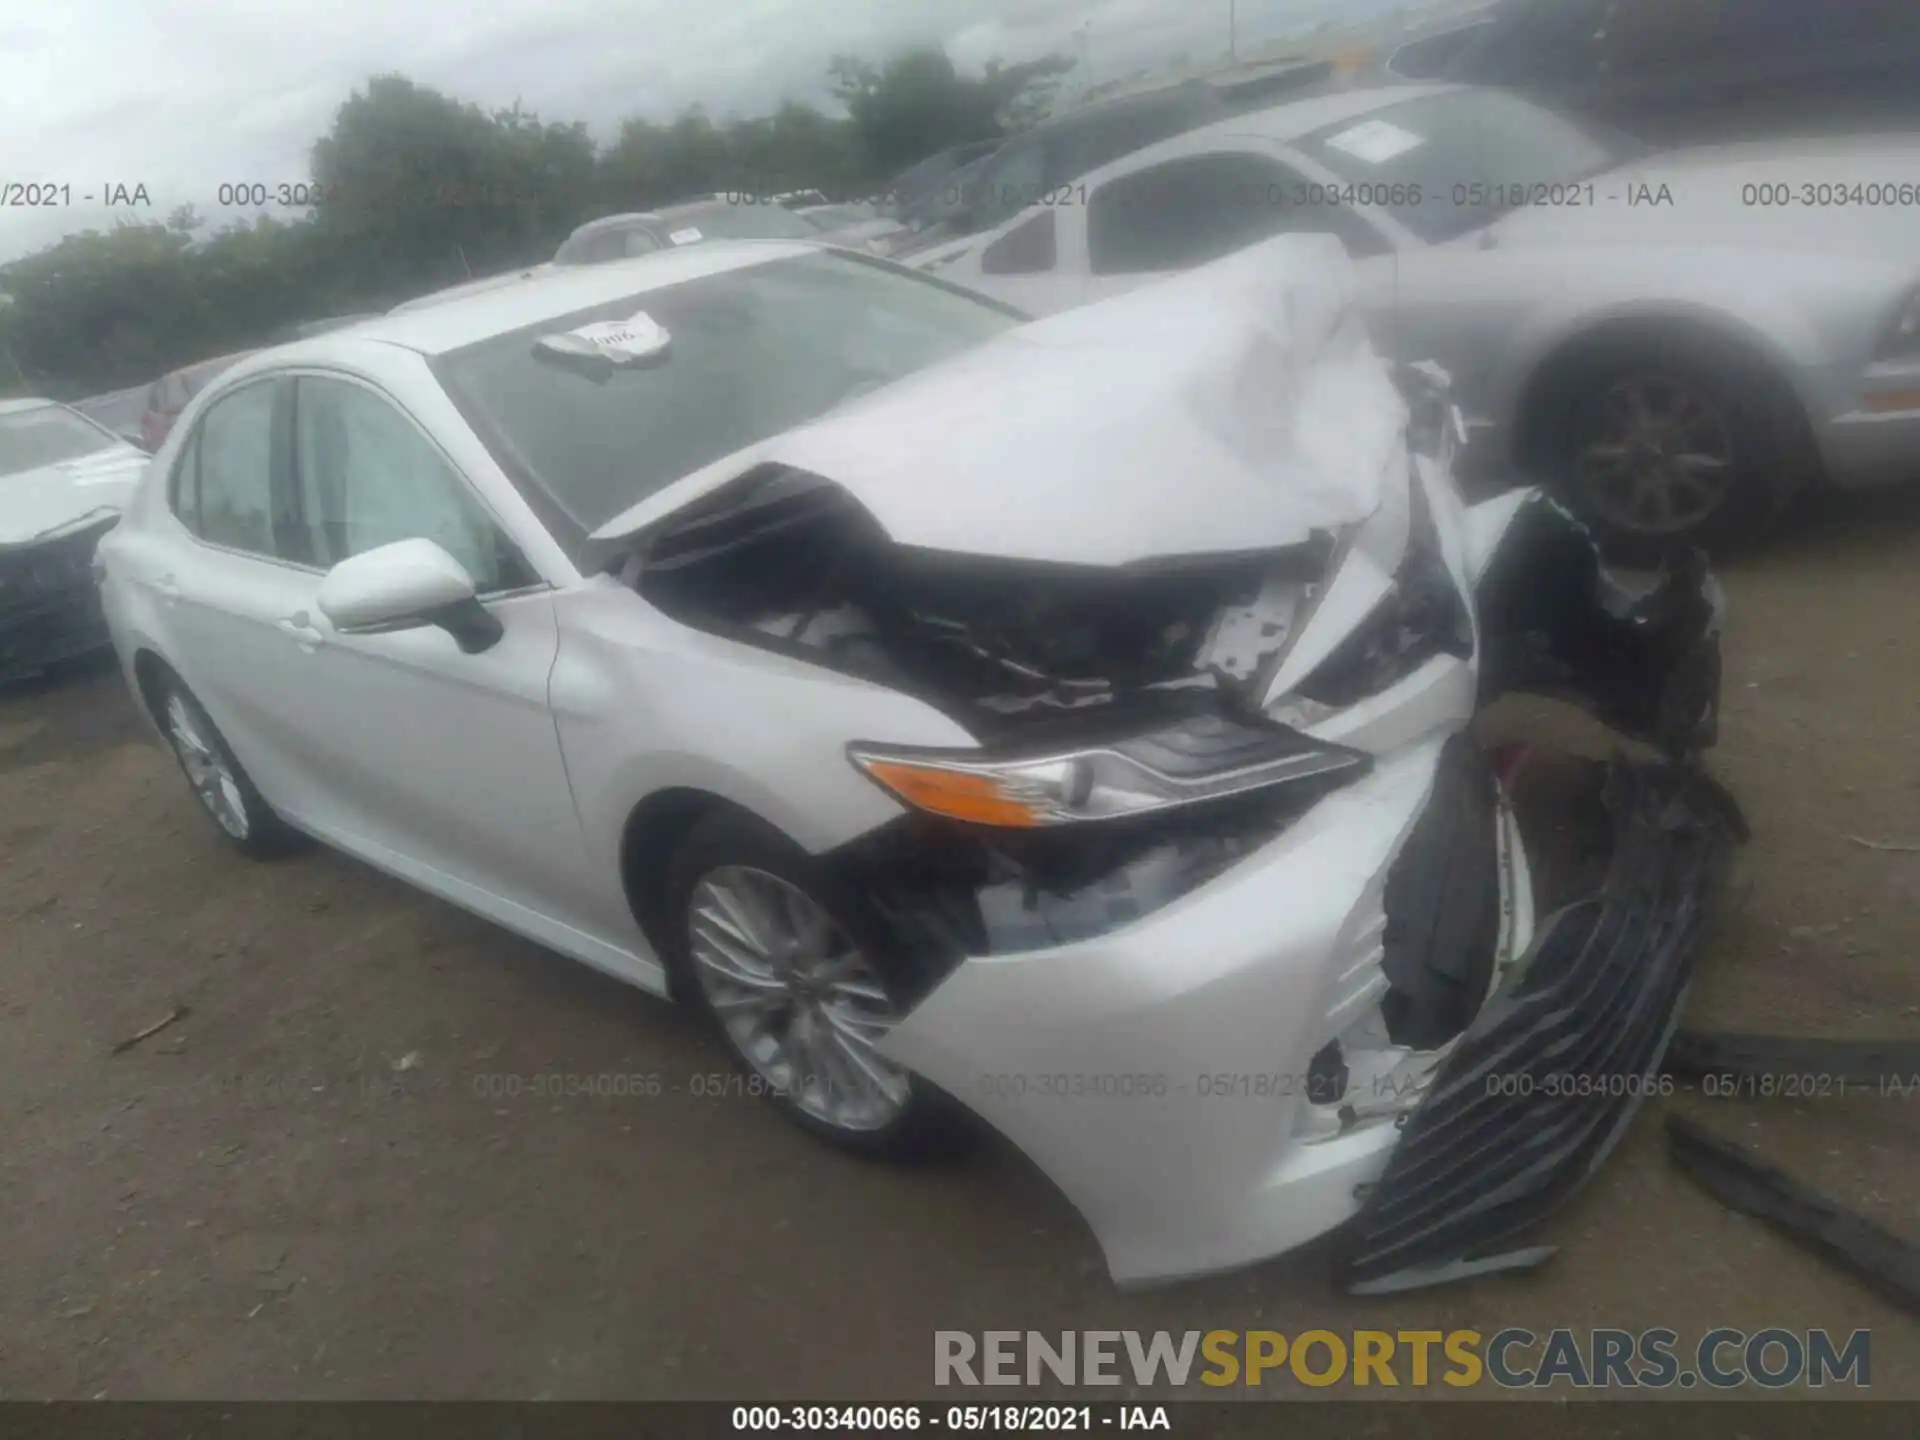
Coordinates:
(226, 498)
(636, 242)
(367, 477)
(46, 435)
(1029, 248)
(1426, 156)
(1186, 212)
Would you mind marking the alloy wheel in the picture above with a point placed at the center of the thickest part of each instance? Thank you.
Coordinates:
(797, 998)
(1655, 454)
(207, 772)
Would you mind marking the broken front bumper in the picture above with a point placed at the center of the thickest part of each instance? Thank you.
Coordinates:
(1547, 1076)
(1294, 1045)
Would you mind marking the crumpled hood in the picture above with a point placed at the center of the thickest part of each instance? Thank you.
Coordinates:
(1237, 407)
(36, 503)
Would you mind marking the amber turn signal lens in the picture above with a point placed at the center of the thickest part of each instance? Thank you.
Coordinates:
(976, 799)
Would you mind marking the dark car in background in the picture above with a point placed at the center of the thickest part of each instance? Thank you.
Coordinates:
(171, 392)
(1673, 72)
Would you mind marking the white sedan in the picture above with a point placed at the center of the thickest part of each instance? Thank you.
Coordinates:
(1677, 342)
(962, 715)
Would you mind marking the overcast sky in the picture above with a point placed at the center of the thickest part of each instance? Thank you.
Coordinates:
(181, 96)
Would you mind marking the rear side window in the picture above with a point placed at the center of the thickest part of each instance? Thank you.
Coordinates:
(223, 490)
(1027, 249)
(1190, 211)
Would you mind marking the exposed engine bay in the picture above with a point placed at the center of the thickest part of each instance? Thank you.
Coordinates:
(792, 561)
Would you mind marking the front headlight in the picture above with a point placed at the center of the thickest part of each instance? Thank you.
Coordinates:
(1903, 335)
(1422, 616)
(1186, 762)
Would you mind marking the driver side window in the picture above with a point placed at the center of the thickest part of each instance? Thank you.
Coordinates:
(366, 476)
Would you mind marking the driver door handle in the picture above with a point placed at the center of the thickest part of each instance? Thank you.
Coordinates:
(167, 588)
(300, 629)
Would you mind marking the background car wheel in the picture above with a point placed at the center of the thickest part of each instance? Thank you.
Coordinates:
(798, 982)
(217, 779)
(1660, 447)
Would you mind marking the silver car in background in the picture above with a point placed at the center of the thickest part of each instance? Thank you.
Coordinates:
(1677, 343)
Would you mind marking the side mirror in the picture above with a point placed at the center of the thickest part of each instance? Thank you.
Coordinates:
(404, 586)
(131, 434)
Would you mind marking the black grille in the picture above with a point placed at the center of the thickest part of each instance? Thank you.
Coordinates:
(1551, 1069)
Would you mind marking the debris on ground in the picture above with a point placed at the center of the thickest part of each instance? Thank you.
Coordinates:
(179, 1012)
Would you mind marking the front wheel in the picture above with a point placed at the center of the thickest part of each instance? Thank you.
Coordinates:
(785, 964)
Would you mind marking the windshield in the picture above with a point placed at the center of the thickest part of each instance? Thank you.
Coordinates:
(1449, 164)
(745, 220)
(47, 435)
(753, 352)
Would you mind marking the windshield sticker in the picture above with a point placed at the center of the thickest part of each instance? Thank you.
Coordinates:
(684, 237)
(1376, 141)
(638, 337)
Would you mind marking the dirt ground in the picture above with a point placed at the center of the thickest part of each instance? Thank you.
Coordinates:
(311, 1184)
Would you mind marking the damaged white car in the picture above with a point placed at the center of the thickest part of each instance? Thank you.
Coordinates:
(63, 481)
(1062, 721)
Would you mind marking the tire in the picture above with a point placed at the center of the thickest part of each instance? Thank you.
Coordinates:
(225, 791)
(1662, 446)
(775, 1028)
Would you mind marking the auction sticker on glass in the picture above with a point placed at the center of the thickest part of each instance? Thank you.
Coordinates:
(1376, 141)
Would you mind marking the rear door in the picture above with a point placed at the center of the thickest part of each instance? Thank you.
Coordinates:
(226, 576)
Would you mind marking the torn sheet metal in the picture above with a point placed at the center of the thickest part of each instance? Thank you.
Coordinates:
(1236, 408)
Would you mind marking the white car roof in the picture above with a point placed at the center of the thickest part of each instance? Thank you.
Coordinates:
(463, 320)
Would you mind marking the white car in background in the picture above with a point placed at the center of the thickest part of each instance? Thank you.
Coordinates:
(1059, 721)
(63, 481)
(1676, 343)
